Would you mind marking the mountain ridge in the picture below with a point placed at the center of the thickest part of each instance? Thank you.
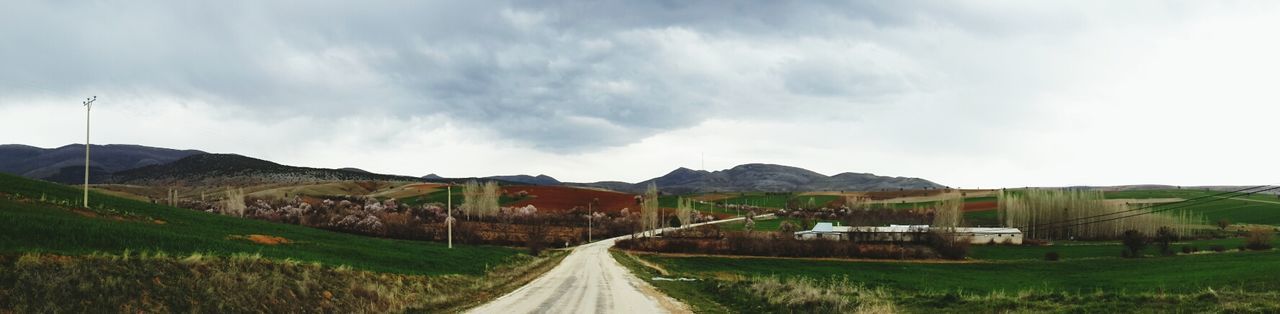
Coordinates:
(65, 164)
(761, 177)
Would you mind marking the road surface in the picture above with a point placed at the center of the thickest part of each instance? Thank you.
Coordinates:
(587, 281)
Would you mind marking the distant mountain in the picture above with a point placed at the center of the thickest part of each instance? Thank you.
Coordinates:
(349, 169)
(231, 169)
(764, 178)
(66, 164)
(541, 179)
(432, 177)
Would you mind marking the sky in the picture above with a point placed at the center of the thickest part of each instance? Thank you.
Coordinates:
(973, 94)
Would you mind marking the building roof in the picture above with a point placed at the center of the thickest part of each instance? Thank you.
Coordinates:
(826, 227)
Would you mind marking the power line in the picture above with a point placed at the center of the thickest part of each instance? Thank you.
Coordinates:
(1216, 196)
(1158, 211)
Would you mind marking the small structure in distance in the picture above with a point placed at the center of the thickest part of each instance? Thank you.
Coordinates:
(908, 233)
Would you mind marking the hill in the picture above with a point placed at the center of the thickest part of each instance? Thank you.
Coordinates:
(541, 179)
(765, 178)
(152, 258)
(66, 164)
(230, 169)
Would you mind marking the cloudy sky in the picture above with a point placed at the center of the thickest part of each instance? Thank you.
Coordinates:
(970, 94)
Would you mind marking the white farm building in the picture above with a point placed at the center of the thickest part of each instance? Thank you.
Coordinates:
(907, 233)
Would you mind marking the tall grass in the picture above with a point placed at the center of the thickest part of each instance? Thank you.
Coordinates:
(803, 295)
(158, 282)
(1064, 214)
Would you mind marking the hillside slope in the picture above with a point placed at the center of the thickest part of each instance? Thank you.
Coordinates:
(114, 225)
(230, 169)
(66, 164)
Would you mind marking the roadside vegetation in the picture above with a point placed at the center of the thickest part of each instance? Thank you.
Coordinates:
(1168, 263)
(1231, 282)
(158, 282)
(128, 255)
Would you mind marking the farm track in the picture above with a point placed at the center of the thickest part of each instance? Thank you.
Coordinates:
(589, 280)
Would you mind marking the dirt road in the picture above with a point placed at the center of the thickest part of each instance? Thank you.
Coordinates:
(587, 281)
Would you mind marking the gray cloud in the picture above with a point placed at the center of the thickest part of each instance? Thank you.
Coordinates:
(562, 76)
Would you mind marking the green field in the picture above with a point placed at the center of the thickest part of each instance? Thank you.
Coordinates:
(1173, 274)
(1069, 250)
(34, 226)
(1213, 282)
(1253, 209)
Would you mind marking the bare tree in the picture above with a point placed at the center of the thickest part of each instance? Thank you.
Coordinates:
(949, 212)
(470, 198)
(684, 211)
(649, 208)
(235, 203)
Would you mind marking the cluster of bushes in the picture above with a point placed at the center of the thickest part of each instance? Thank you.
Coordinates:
(740, 244)
(1134, 242)
(1258, 239)
(513, 226)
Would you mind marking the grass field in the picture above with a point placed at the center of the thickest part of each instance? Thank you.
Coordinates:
(240, 283)
(1253, 209)
(1171, 274)
(1235, 281)
(1069, 250)
(120, 224)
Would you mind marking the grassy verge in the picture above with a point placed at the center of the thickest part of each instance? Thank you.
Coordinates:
(1087, 249)
(240, 283)
(691, 293)
(1231, 282)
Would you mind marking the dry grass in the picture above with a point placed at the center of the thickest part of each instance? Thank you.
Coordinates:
(156, 282)
(803, 295)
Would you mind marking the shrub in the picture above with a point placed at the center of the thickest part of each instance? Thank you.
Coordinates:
(1189, 249)
(1052, 256)
(1258, 239)
(1223, 223)
(1217, 248)
(1164, 237)
(948, 246)
(536, 235)
(1134, 242)
(788, 227)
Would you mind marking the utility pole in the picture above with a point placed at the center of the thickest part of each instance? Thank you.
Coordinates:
(449, 212)
(88, 103)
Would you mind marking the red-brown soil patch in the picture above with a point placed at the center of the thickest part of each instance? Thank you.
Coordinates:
(563, 198)
(979, 206)
(261, 239)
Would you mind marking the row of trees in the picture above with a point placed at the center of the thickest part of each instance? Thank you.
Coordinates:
(481, 199)
(1083, 214)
